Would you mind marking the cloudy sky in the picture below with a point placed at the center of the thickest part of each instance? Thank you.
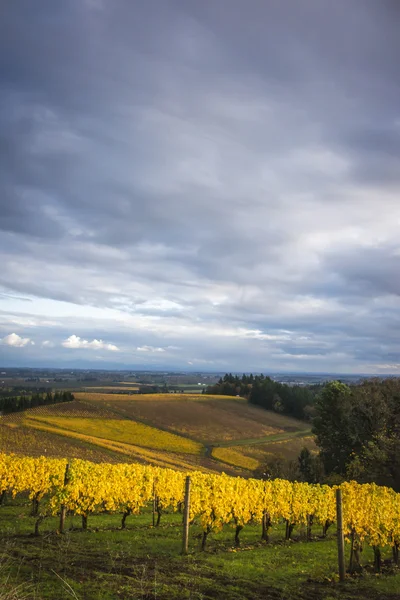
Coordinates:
(208, 185)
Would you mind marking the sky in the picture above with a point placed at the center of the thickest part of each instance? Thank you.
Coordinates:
(204, 185)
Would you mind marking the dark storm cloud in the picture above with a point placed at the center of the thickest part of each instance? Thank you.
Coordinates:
(195, 171)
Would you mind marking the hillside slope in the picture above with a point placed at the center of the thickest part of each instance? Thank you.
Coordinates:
(211, 433)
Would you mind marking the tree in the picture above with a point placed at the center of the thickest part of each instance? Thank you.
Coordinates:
(310, 467)
(331, 426)
(358, 430)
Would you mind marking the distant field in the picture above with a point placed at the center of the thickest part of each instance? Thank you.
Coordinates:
(113, 387)
(189, 397)
(211, 433)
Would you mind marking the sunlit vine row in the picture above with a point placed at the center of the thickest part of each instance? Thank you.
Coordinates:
(371, 512)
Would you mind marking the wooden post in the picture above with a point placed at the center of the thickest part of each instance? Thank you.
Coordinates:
(340, 537)
(63, 507)
(395, 549)
(185, 538)
(154, 505)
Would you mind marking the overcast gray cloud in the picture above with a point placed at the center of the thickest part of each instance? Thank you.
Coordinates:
(202, 185)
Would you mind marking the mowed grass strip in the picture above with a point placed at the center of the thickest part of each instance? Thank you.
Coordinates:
(288, 448)
(126, 431)
(232, 457)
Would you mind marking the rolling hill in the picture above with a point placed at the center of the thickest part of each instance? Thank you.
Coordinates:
(211, 433)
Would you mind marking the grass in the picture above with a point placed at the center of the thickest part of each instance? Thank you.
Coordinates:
(275, 438)
(232, 457)
(288, 448)
(144, 563)
(120, 430)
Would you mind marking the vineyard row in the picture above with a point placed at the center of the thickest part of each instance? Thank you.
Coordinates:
(371, 513)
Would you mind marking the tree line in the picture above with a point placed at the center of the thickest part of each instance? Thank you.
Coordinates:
(11, 404)
(293, 400)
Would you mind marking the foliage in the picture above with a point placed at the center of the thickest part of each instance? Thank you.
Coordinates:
(11, 404)
(294, 400)
(310, 466)
(372, 512)
(358, 430)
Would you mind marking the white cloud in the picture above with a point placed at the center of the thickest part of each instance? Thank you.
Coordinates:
(13, 339)
(149, 349)
(75, 341)
(48, 344)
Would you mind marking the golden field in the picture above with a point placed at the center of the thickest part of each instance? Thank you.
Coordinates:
(125, 431)
(234, 458)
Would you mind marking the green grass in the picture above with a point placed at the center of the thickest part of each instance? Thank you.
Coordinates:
(143, 563)
(277, 437)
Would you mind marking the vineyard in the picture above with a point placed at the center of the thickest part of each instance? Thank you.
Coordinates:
(181, 431)
(371, 514)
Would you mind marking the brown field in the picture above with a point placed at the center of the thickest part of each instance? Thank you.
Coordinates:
(187, 397)
(28, 441)
(65, 409)
(208, 421)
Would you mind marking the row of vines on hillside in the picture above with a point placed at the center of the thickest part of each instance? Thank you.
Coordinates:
(371, 512)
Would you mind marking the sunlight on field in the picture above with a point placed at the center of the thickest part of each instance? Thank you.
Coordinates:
(209, 422)
(126, 431)
(194, 397)
(51, 442)
(235, 458)
(128, 452)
